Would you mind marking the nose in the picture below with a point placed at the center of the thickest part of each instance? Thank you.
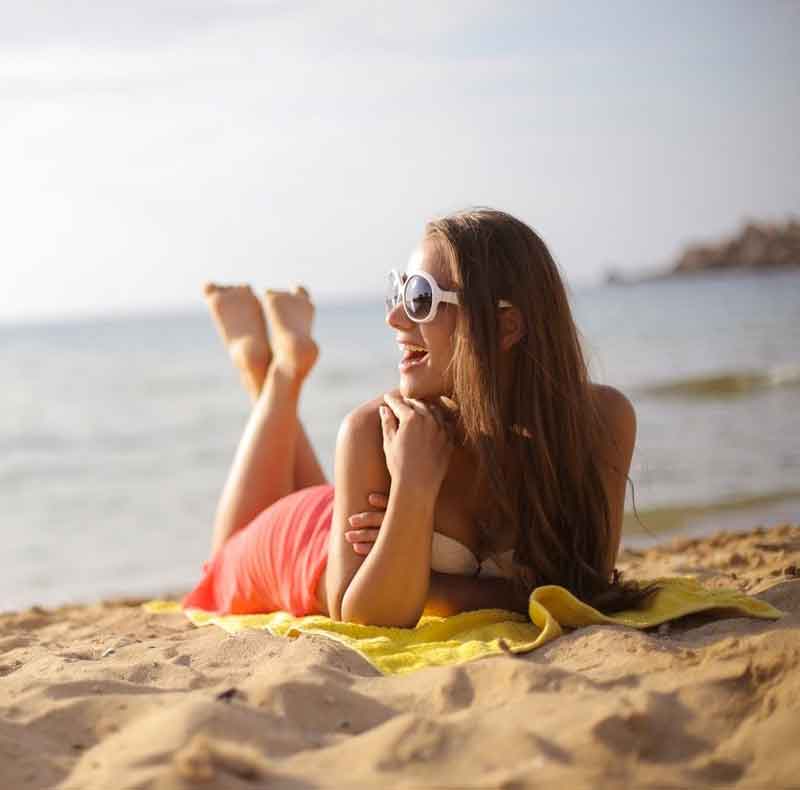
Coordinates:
(397, 318)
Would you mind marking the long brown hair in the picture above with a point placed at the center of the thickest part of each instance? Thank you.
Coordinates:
(537, 445)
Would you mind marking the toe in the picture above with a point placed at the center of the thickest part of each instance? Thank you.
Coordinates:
(301, 291)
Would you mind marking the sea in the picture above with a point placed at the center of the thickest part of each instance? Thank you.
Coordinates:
(116, 433)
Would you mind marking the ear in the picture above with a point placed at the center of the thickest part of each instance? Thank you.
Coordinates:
(510, 326)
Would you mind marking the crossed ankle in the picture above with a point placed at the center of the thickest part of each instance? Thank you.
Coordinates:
(290, 369)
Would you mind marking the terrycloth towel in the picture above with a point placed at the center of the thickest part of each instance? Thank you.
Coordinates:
(437, 641)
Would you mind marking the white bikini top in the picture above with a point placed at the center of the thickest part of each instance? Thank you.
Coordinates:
(449, 555)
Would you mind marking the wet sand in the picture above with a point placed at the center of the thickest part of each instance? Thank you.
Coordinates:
(108, 696)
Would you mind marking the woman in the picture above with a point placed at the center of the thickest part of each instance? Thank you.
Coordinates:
(495, 467)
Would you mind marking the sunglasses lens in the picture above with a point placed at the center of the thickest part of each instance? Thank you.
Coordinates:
(418, 298)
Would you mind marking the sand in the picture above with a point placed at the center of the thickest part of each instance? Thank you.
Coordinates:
(108, 696)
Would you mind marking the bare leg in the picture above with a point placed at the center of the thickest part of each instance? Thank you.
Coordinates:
(263, 468)
(307, 470)
(240, 321)
(239, 318)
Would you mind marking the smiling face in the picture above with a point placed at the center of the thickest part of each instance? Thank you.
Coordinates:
(426, 349)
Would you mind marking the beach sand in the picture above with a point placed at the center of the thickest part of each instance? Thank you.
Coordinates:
(108, 696)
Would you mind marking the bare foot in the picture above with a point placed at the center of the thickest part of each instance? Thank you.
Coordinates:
(290, 315)
(239, 317)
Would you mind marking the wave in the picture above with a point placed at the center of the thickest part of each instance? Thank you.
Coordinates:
(727, 385)
(737, 513)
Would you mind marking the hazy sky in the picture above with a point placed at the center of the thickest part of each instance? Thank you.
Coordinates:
(147, 146)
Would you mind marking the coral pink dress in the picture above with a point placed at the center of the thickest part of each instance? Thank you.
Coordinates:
(272, 564)
(276, 561)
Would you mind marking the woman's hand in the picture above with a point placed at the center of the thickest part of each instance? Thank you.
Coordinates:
(417, 441)
(365, 526)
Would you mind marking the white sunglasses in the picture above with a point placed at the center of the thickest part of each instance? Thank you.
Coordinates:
(420, 295)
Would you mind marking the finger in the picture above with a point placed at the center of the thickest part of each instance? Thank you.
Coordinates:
(363, 548)
(372, 518)
(419, 406)
(388, 423)
(449, 405)
(361, 535)
(430, 409)
(378, 500)
(447, 408)
(451, 424)
(399, 408)
(437, 415)
(422, 408)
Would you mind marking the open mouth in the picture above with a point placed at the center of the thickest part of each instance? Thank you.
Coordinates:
(412, 356)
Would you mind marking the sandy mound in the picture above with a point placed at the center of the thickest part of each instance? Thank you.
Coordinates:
(108, 696)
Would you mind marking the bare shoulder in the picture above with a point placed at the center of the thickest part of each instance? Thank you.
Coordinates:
(363, 424)
(359, 447)
(362, 427)
(618, 427)
(615, 411)
(615, 452)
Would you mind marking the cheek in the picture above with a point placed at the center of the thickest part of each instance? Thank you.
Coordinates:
(440, 341)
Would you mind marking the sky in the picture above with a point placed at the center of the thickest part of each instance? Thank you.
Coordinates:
(149, 146)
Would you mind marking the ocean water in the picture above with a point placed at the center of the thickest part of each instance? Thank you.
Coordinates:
(116, 434)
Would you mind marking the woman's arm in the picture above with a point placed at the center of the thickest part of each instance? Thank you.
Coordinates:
(358, 469)
(390, 585)
(450, 593)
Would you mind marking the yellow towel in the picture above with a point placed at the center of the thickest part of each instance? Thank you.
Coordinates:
(437, 641)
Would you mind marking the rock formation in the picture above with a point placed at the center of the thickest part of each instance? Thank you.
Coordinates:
(758, 246)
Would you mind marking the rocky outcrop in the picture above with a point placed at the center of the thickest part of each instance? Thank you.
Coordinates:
(757, 246)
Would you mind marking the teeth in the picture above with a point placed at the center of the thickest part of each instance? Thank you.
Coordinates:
(411, 347)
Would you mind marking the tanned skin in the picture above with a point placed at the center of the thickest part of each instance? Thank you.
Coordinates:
(399, 474)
